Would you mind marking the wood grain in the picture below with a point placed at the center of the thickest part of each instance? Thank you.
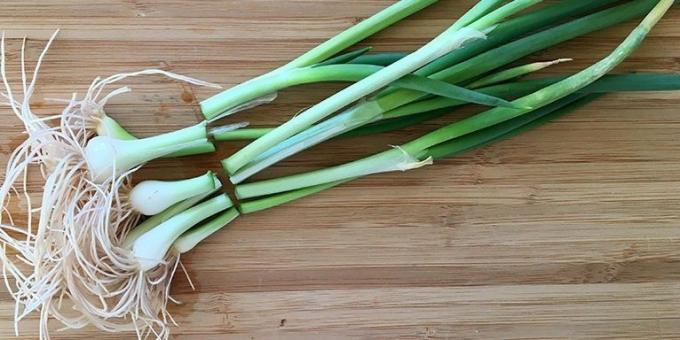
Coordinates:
(569, 231)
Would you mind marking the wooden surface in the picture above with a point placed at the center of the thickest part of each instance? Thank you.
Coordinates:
(569, 231)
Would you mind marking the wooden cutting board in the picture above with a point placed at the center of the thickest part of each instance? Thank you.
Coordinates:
(569, 231)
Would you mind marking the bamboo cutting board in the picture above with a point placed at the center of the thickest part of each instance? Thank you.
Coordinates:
(569, 231)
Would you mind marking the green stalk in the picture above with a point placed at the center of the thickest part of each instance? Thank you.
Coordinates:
(379, 108)
(387, 161)
(455, 147)
(374, 24)
(200, 149)
(240, 134)
(449, 40)
(407, 156)
(505, 54)
(345, 57)
(195, 235)
(279, 199)
(215, 105)
(379, 59)
(422, 111)
(505, 32)
(448, 90)
(610, 83)
(291, 77)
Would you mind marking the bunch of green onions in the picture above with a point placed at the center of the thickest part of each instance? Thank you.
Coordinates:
(466, 64)
(470, 62)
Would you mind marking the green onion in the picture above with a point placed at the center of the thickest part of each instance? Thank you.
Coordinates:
(409, 155)
(505, 32)
(514, 28)
(108, 126)
(609, 83)
(117, 276)
(155, 220)
(108, 157)
(151, 247)
(505, 54)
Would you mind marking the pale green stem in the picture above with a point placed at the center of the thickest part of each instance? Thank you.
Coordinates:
(241, 134)
(195, 235)
(279, 199)
(214, 106)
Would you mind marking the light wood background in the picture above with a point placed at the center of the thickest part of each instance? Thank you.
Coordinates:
(569, 231)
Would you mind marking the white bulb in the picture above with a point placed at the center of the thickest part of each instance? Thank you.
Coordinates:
(152, 197)
(100, 153)
(109, 157)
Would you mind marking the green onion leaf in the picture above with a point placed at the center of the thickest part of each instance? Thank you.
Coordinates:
(344, 58)
(512, 127)
(379, 59)
(448, 90)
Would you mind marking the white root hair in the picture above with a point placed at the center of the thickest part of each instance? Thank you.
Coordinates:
(61, 253)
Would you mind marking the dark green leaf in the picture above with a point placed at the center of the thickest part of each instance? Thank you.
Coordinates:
(344, 58)
(448, 90)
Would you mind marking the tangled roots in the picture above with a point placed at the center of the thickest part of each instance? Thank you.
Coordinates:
(61, 251)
